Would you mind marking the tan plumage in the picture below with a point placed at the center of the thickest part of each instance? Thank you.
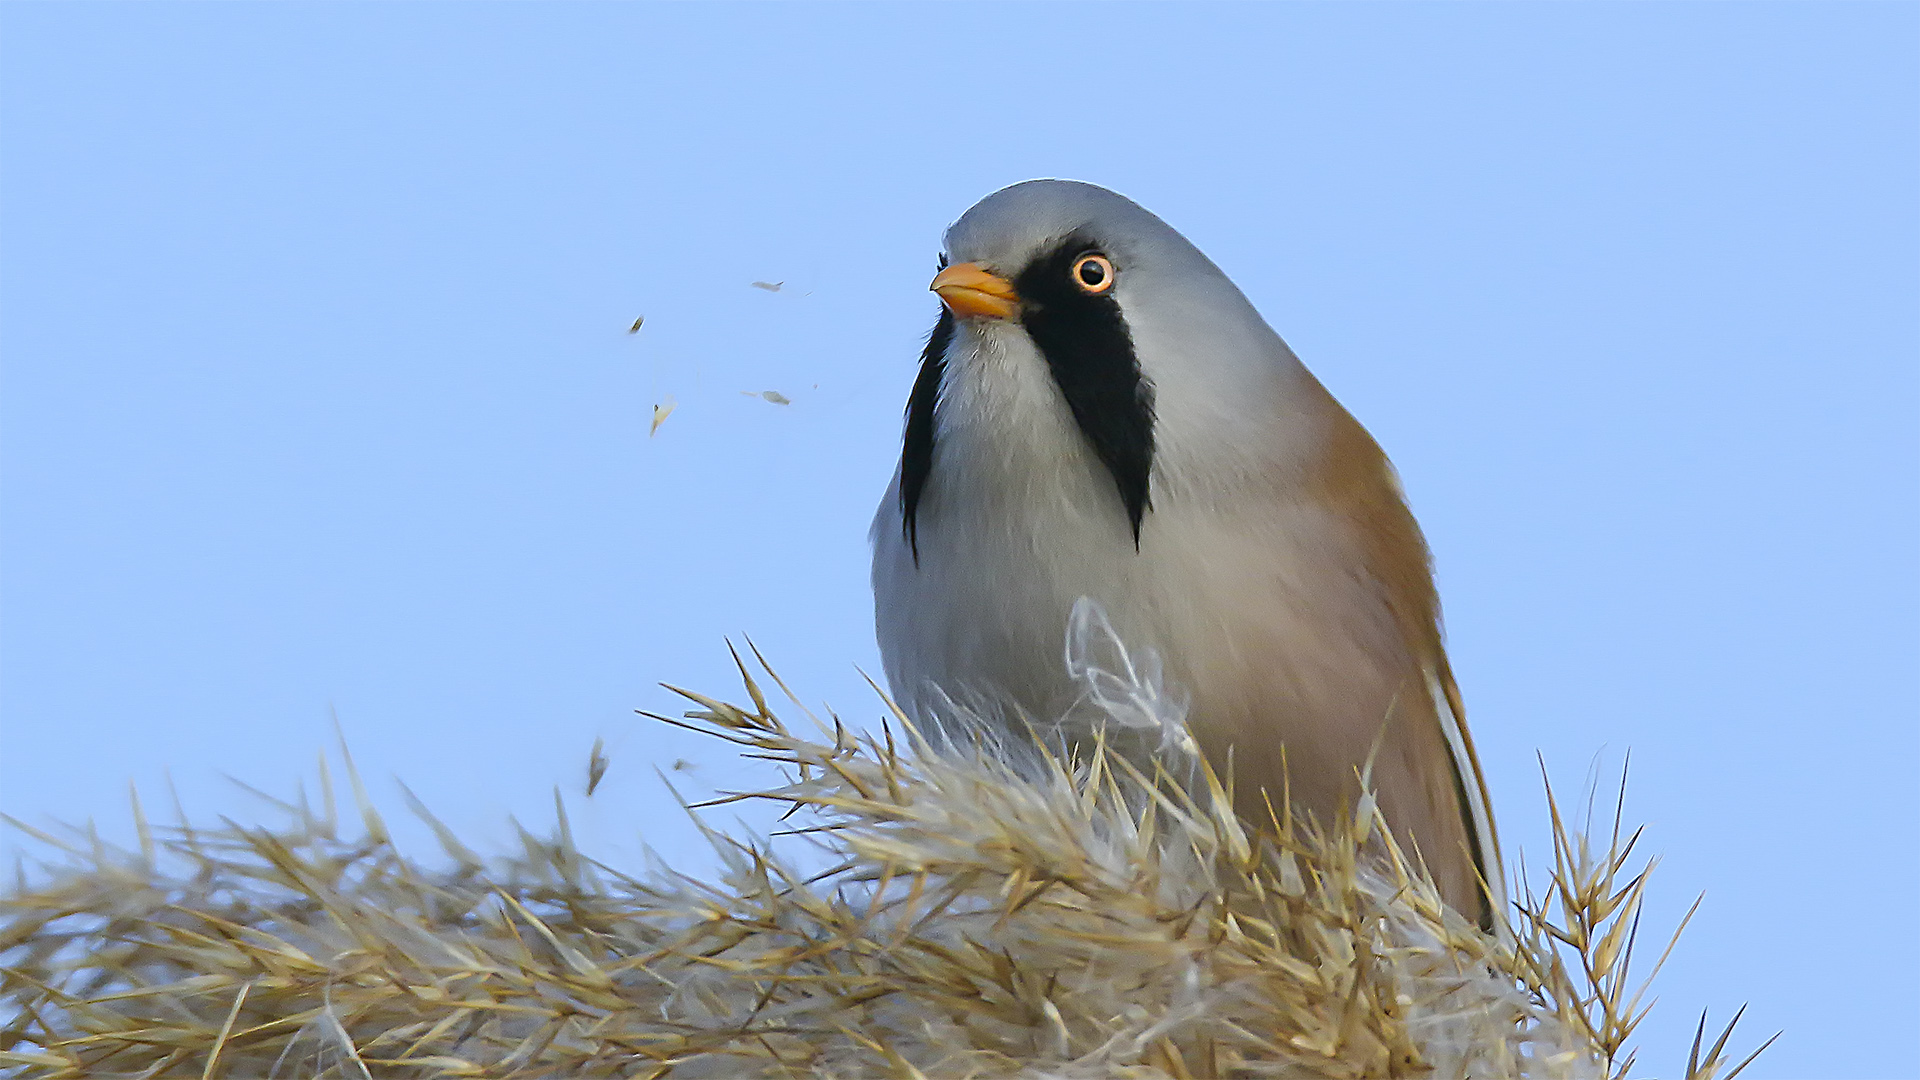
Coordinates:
(1422, 788)
(1148, 443)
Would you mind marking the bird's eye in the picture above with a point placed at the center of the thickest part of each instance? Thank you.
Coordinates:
(1093, 273)
(943, 260)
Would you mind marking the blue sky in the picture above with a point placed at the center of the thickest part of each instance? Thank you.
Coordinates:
(316, 394)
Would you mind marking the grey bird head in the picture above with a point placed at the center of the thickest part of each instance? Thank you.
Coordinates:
(1148, 342)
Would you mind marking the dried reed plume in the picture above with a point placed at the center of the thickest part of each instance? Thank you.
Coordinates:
(1063, 917)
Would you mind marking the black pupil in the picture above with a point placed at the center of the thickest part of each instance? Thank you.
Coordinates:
(1092, 273)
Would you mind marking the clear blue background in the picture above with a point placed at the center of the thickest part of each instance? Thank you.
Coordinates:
(317, 395)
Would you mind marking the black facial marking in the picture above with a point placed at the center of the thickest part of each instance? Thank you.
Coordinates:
(916, 457)
(1090, 353)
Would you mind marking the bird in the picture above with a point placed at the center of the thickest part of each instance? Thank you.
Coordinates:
(1101, 415)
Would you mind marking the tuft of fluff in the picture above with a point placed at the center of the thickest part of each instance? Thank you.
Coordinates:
(1058, 915)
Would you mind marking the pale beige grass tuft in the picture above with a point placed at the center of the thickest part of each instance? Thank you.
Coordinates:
(1064, 918)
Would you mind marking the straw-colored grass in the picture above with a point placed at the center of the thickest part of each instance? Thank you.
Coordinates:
(1056, 918)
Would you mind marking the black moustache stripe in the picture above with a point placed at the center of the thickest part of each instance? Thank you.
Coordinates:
(916, 456)
(1089, 351)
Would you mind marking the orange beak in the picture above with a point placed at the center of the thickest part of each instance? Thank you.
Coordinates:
(971, 289)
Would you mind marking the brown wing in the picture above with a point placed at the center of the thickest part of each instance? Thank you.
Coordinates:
(1356, 479)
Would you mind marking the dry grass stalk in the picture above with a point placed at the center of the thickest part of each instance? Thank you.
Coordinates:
(1074, 919)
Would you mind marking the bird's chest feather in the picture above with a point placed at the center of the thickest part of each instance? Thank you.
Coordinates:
(1019, 520)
